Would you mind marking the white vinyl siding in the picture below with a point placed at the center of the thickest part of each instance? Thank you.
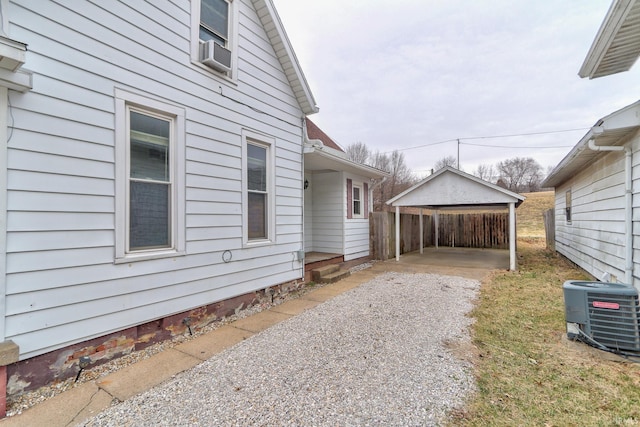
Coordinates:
(328, 212)
(594, 238)
(62, 283)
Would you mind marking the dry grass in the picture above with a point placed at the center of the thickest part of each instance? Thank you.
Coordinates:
(528, 372)
(529, 213)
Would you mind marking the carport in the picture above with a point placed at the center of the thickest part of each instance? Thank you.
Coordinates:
(451, 189)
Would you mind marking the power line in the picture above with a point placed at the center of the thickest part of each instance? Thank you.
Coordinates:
(459, 140)
(512, 146)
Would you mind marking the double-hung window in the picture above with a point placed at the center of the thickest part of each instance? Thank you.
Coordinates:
(214, 23)
(357, 201)
(150, 180)
(149, 169)
(258, 177)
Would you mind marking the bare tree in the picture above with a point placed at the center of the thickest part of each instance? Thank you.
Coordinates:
(485, 172)
(444, 162)
(401, 177)
(358, 152)
(520, 174)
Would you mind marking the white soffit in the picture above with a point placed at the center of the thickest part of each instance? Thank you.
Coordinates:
(617, 44)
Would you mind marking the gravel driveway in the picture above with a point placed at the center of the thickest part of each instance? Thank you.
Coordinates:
(375, 355)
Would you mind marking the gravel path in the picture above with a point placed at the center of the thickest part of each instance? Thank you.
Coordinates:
(375, 355)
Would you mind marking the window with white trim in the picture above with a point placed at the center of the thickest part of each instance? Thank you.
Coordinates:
(149, 170)
(567, 208)
(258, 178)
(214, 21)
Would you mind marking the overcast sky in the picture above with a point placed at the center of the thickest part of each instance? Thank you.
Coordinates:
(411, 73)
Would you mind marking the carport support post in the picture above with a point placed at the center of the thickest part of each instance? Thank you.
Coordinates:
(397, 233)
(512, 236)
(421, 234)
(436, 224)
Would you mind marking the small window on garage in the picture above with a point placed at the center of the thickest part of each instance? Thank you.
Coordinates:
(568, 206)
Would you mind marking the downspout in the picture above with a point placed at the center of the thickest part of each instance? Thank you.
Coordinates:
(628, 196)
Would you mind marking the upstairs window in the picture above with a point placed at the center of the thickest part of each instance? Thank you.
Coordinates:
(214, 21)
(214, 42)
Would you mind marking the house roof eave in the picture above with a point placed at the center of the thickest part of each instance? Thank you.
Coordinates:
(610, 130)
(287, 57)
(322, 159)
(616, 46)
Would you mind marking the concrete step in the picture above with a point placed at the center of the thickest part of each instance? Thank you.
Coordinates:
(318, 273)
(334, 277)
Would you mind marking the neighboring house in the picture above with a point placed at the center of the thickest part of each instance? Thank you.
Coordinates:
(337, 200)
(595, 183)
(594, 189)
(153, 170)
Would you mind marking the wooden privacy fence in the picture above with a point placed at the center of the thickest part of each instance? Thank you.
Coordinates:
(473, 230)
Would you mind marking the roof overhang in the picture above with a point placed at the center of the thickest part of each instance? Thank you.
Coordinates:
(325, 159)
(617, 44)
(284, 51)
(451, 188)
(613, 130)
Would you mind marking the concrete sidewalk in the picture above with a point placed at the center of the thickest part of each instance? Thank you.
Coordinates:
(88, 399)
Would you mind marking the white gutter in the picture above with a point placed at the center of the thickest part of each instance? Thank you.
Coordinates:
(628, 195)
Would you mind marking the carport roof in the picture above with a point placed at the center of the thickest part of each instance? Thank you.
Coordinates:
(451, 188)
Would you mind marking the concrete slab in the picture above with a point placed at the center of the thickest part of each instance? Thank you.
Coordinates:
(71, 407)
(324, 294)
(214, 342)
(464, 262)
(147, 373)
(260, 321)
(295, 306)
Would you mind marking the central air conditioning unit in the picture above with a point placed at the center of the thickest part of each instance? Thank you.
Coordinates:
(603, 314)
(215, 56)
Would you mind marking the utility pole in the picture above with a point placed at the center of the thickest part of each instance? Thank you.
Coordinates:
(458, 153)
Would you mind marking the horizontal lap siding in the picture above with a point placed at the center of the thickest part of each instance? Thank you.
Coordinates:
(595, 238)
(62, 284)
(328, 212)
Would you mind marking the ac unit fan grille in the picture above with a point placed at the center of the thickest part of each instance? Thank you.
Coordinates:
(615, 328)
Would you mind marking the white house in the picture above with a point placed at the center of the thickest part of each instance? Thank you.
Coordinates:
(151, 169)
(595, 184)
(338, 199)
(594, 190)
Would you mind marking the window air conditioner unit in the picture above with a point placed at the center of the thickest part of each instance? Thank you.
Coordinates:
(216, 56)
(603, 314)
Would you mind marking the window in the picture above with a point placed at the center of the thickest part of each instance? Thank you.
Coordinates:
(149, 177)
(214, 20)
(357, 201)
(568, 205)
(259, 206)
(150, 180)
